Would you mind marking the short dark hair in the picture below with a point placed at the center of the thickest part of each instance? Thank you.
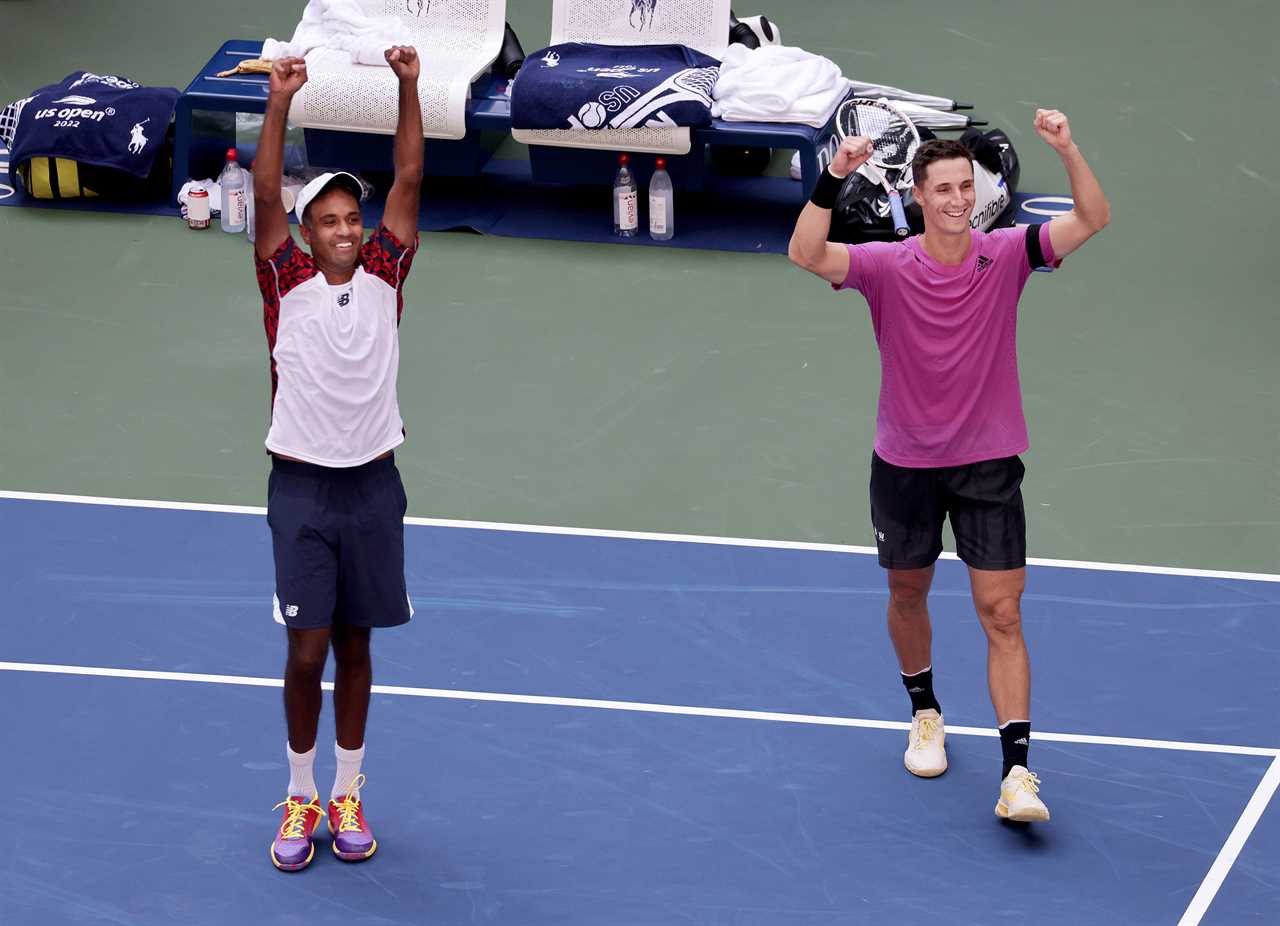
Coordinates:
(937, 149)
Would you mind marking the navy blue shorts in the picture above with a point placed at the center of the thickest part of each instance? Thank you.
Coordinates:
(338, 540)
(983, 501)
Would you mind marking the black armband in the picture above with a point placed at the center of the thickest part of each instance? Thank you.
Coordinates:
(826, 190)
(1035, 256)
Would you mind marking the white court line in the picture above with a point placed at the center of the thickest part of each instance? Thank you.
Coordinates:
(640, 535)
(1231, 848)
(635, 706)
(1208, 890)
(1199, 903)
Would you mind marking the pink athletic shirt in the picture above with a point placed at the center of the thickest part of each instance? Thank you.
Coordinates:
(949, 390)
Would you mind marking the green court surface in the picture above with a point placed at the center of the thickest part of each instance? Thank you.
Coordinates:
(711, 393)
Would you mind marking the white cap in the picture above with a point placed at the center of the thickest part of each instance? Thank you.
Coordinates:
(317, 186)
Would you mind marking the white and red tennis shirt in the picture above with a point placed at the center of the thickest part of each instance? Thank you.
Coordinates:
(335, 352)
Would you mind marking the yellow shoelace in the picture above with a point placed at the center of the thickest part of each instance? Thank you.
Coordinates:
(927, 728)
(295, 821)
(349, 806)
(1030, 782)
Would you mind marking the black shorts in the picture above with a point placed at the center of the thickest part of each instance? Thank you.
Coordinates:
(338, 540)
(983, 500)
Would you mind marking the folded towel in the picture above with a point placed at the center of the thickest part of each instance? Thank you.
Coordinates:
(95, 119)
(340, 24)
(778, 83)
(578, 85)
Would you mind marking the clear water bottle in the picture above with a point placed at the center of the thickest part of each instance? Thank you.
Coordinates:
(626, 206)
(231, 180)
(662, 204)
(249, 228)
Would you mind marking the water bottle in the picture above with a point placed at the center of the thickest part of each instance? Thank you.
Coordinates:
(231, 180)
(662, 204)
(626, 207)
(249, 227)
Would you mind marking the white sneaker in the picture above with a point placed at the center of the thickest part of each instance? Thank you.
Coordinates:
(925, 755)
(1019, 797)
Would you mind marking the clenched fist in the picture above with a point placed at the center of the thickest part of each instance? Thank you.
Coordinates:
(852, 154)
(404, 61)
(1053, 127)
(287, 76)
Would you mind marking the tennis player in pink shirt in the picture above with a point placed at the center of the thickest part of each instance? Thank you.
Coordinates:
(949, 426)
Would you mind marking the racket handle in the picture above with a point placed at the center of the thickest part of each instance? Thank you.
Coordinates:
(900, 226)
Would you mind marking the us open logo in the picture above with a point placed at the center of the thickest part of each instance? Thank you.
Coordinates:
(119, 83)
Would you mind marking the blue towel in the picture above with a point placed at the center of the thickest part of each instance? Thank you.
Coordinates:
(95, 119)
(582, 86)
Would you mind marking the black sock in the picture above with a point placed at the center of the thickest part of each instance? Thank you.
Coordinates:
(1015, 740)
(920, 690)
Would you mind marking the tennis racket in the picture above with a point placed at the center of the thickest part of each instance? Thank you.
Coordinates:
(894, 142)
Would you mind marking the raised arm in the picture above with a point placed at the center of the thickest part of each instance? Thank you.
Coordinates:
(401, 212)
(271, 224)
(1091, 212)
(809, 248)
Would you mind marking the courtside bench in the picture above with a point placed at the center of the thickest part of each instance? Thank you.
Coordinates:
(488, 123)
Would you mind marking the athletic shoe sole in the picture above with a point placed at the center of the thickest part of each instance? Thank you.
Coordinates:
(924, 772)
(355, 856)
(295, 867)
(1028, 815)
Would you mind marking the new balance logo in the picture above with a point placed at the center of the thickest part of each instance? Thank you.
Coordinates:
(344, 299)
(291, 610)
(983, 263)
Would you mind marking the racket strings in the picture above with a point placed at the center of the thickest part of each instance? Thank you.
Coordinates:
(894, 142)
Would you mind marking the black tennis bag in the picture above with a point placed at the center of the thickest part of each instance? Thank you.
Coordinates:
(861, 212)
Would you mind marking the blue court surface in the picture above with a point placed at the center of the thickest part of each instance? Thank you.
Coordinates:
(581, 728)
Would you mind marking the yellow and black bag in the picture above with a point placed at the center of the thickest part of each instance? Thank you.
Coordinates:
(54, 178)
(63, 178)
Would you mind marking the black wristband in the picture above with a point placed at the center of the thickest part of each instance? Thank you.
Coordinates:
(826, 190)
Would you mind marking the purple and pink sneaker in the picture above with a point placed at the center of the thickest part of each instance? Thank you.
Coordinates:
(352, 838)
(293, 849)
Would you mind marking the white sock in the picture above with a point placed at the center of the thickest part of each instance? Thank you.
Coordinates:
(348, 769)
(302, 780)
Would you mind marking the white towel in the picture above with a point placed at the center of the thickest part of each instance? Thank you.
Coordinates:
(339, 24)
(777, 83)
